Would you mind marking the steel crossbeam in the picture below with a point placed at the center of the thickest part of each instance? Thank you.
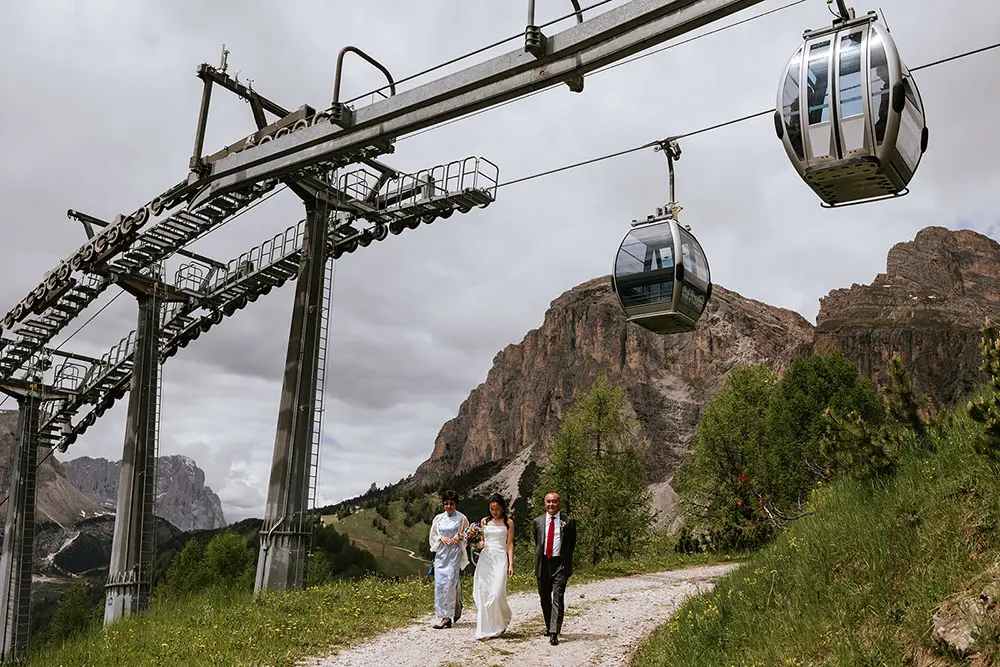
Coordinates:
(594, 43)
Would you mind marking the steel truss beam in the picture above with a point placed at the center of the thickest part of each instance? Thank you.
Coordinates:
(204, 294)
(594, 43)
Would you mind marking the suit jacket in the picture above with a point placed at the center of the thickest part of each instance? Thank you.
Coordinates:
(566, 547)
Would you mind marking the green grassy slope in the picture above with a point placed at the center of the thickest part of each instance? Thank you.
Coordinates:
(387, 547)
(228, 627)
(856, 582)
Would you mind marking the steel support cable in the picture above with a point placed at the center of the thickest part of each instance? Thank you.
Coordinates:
(478, 51)
(956, 57)
(733, 121)
(607, 68)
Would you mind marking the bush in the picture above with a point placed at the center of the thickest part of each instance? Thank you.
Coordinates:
(77, 611)
(229, 560)
(764, 442)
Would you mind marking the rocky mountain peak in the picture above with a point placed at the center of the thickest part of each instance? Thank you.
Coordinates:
(182, 498)
(927, 308)
(584, 334)
(960, 263)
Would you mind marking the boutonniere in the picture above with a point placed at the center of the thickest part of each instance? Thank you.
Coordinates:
(562, 524)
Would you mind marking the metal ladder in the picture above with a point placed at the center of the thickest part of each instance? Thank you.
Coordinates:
(319, 410)
(18, 602)
(147, 553)
(154, 393)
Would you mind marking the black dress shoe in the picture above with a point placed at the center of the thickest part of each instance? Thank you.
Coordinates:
(554, 639)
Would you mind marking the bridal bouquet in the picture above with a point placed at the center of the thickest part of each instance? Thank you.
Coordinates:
(474, 534)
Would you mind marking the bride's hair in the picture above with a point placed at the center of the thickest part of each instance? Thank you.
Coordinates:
(498, 499)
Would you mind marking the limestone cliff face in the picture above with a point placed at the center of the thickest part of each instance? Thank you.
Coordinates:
(667, 379)
(181, 495)
(57, 500)
(928, 307)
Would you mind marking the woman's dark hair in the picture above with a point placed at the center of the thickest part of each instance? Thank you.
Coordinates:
(498, 499)
(450, 495)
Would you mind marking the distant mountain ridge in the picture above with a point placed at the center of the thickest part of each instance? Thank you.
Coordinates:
(182, 498)
(57, 500)
(667, 379)
(927, 307)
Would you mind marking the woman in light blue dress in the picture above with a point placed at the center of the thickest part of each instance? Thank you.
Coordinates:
(447, 543)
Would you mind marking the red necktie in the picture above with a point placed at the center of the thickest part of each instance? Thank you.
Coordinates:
(551, 538)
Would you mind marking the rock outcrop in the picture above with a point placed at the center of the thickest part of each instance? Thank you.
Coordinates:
(181, 495)
(928, 308)
(57, 500)
(668, 379)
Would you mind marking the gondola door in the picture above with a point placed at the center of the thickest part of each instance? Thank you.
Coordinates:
(693, 279)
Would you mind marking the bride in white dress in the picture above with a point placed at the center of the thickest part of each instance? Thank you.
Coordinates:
(496, 563)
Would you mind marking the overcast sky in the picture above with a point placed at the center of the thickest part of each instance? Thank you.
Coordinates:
(100, 102)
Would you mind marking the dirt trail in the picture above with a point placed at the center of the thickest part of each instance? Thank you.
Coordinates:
(412, 554)
(605, 620)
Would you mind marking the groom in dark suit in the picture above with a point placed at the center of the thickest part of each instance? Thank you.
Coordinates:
(555, 539)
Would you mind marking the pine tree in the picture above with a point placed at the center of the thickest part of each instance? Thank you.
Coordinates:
(75, 614)
(319, 569)
(596, 465)
(187, 572)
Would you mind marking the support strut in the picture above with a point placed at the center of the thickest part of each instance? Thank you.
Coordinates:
(286, 532)
(845, 13)
(130, 576)
(341, 114)
(19, 533)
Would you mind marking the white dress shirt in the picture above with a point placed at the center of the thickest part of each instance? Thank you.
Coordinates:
(557, 537)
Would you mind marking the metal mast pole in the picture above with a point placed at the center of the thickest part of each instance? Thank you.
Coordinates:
(286, 532)
(19, 533)
(130, 575)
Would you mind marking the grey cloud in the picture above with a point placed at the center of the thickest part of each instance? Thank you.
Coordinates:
(105, 120)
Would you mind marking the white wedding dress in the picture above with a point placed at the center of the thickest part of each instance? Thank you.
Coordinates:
(489, 585)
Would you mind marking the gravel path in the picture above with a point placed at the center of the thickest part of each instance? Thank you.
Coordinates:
(604, 622)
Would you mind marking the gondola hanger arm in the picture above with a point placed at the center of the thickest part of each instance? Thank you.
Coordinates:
(672, 150)
(846, 13)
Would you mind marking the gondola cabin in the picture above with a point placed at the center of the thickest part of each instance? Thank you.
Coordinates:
(661, 276)
(849, 113)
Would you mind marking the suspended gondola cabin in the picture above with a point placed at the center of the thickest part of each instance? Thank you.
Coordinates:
(661, 276)
(849, 113)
